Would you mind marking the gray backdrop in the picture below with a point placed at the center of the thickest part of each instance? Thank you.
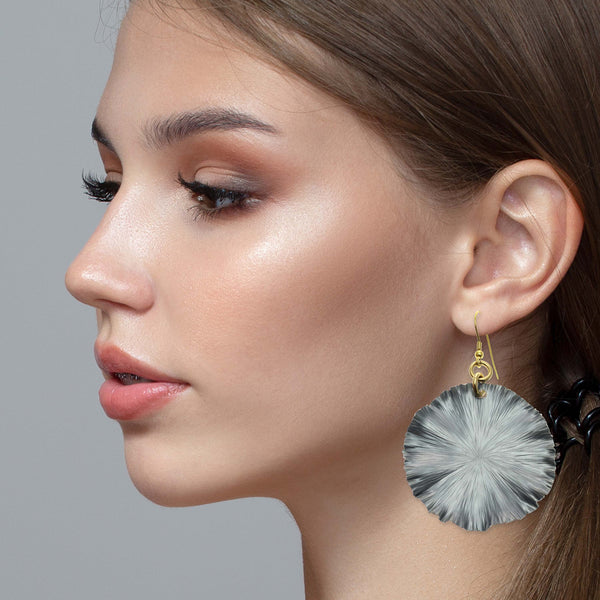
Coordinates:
(72, 525)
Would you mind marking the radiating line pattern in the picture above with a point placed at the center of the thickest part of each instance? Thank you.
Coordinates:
(479, 461)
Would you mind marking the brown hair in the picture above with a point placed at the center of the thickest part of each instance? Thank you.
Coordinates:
(462, 89)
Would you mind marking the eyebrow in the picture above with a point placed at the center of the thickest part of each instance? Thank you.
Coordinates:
(164, 131)
(99, 136)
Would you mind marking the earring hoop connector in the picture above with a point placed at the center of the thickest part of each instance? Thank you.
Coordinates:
(479, 377)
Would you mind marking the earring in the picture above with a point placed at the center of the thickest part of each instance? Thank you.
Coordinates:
(479, 454)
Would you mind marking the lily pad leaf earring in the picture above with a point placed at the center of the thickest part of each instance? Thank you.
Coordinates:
(479, 454)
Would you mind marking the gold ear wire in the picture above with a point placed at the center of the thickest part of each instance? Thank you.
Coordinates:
(479, 376)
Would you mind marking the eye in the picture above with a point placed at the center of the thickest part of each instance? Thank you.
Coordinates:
(212, 200)
(102, 191)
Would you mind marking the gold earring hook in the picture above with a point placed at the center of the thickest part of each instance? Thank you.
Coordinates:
(478, 376)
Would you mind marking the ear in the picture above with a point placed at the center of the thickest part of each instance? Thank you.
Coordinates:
(520, 240)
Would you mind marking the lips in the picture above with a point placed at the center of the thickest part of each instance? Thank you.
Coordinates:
(113, 361)
(132, 388)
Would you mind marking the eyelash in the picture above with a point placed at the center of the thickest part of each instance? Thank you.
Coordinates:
(105, 191)
(102, 191)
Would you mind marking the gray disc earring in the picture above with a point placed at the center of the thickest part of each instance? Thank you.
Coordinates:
(479, 454)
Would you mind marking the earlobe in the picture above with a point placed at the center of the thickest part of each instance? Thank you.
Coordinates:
(524, 234)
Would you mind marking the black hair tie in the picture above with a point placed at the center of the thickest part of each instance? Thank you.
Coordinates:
(567, 408)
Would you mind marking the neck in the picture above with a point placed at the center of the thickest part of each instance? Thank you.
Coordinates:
(364, 535)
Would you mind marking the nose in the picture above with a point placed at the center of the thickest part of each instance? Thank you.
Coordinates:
(111, 269)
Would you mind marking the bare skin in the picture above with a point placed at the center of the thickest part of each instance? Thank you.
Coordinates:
(308, 327)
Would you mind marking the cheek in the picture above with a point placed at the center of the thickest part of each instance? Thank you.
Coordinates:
(301, 329)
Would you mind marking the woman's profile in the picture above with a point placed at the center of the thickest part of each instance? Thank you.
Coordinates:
(317, 212)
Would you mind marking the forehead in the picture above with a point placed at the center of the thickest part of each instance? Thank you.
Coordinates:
(177, 60)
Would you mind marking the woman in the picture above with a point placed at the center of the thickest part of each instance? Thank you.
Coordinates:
(313, 205)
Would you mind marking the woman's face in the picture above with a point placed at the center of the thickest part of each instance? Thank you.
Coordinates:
(298, 325)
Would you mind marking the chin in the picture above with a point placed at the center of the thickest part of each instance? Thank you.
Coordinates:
(167, 476)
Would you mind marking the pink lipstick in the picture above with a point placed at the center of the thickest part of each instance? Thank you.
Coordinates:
(132, 389)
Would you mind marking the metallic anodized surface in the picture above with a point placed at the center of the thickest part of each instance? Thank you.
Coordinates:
(479, 461)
